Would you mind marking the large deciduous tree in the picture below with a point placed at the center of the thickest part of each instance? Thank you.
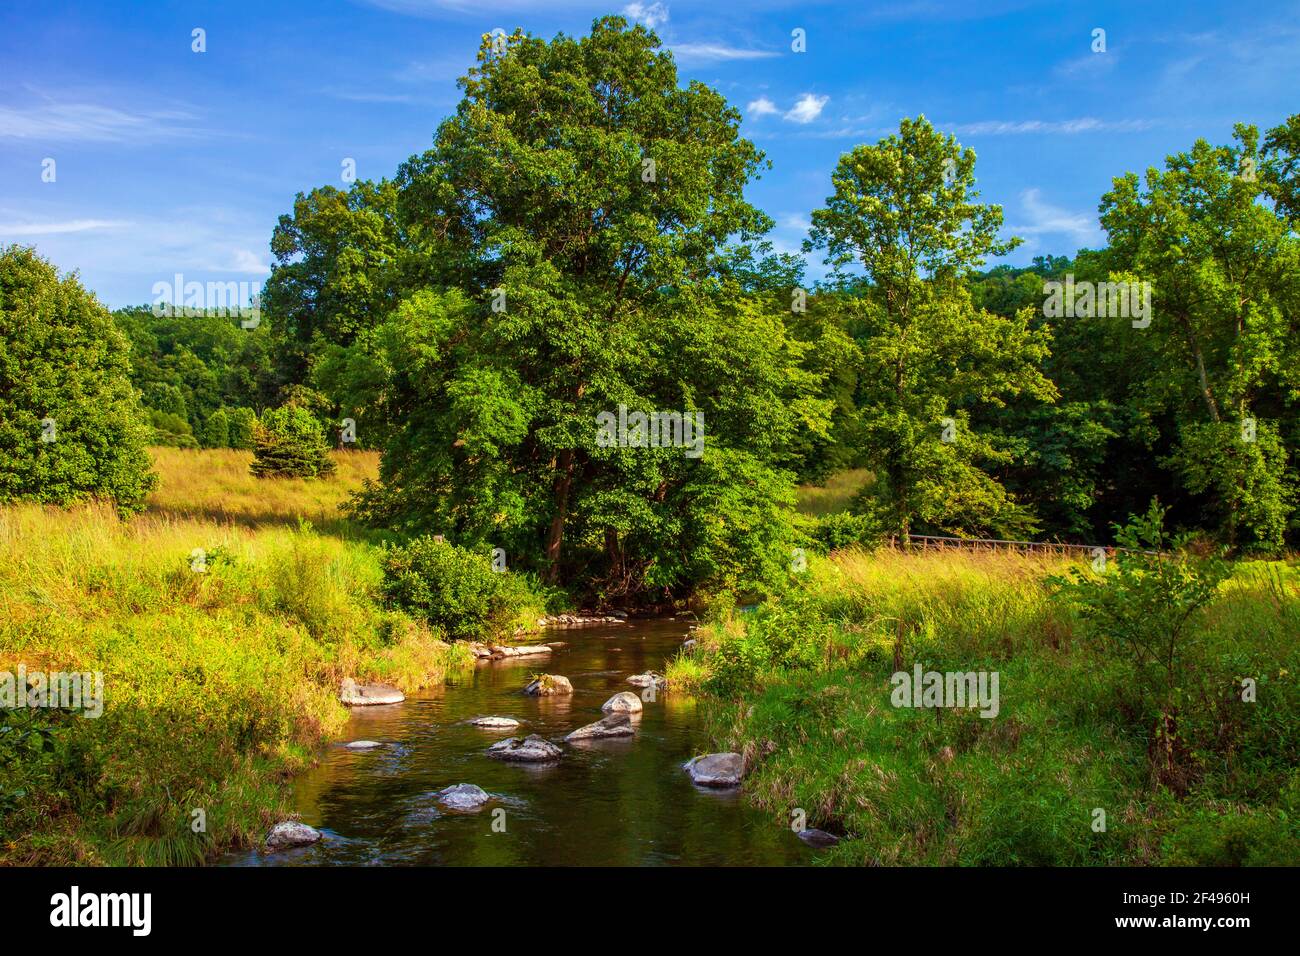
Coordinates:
(579, 206)
(904, 211)
(1225, 272)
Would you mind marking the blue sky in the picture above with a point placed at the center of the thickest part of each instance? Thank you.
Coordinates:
(168, 161)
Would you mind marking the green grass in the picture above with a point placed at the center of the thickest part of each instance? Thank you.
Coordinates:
(218, 685)
(801, 688)
(834, 495)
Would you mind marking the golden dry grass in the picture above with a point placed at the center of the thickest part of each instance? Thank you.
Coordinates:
(215, 485)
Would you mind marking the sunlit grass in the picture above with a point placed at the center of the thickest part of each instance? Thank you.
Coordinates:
(835, 494)
(218, 683)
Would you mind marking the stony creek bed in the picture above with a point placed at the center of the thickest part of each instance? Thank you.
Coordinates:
(615, 801)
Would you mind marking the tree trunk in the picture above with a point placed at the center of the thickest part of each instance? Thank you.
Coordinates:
(555, 536)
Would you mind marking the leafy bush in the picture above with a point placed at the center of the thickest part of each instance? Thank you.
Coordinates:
(216, 430)
(843, 530)
(242, 421)
(169, 430)
(290, 443)
(453, 588)
(71, 427)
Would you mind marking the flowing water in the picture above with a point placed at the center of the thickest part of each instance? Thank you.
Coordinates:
(624, 801)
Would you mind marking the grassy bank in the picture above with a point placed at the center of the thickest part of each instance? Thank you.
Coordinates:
(802, 688)
(218, 684)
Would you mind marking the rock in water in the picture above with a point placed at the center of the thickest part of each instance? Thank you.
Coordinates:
(624, 702)
(364, 745)
(549, 685)
(361, 695)
(648, 679)
(818, 838)
(464, 797)
(530, 749)
(715, 770)
(290, 833)
(495, 723)
(615, 725)
(519, 650)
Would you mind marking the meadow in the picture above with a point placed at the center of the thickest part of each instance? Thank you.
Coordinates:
(1065, 774)
(219, 683)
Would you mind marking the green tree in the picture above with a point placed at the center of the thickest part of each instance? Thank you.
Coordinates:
(242, 421)
(904, 211)
(580, 201)
(216, 430)
(71, 426)
(289, 442)
(1225, 272)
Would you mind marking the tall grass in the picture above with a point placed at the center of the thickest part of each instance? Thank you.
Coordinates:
(834, 494)
(218, 683)
(801, 688)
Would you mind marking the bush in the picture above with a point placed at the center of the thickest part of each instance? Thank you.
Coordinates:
(169, 430)
(242, 421)
(71, 426)
(453, 588)
(216, 430)
(290, 443)
(843, 530)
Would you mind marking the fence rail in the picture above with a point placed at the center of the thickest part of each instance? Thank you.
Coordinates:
(937, 542)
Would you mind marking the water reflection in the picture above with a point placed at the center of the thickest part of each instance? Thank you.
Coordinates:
(619, 801)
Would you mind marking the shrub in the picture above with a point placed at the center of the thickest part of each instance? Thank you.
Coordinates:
(242, 421)
(453, 588)
(169, 430)
(843, 530)
(289, 442)
(216, 430)
(71, 426)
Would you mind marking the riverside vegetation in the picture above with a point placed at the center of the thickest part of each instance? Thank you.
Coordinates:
(1191, 763)
(472, 319)
(219, 683)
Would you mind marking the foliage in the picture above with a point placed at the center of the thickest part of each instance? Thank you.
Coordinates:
(70, 422)
(290, 443)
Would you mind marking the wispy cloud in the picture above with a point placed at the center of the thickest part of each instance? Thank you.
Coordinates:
(761, 107)
(715, 52)
(24, 229)
(1085, 124)
(1043, 218)
(90, 122)
(807, 108)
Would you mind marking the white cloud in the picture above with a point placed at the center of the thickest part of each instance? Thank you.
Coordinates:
(651, 14)
(14, 229)
(1085, 124)
(807, 108)
(1044, 218)
(712, 52)
(88, 122)
(761, 107)
(249, 262)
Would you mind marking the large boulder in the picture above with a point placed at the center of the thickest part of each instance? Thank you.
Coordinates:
(549, 685)
(362, 695)
(624, 702)
(495, 723)
(530, 749)
(648, 679)
(463, 797)
(290, 833)
(716, 770)
(615, 725)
